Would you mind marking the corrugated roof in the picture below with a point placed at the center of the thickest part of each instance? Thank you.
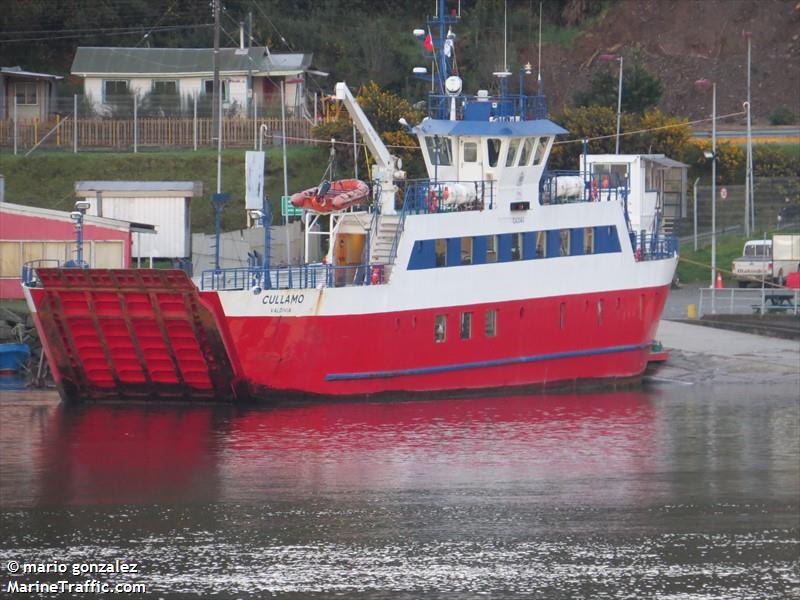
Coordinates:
(18, 72)
(173, 61)
(139, 188)
(61, 215)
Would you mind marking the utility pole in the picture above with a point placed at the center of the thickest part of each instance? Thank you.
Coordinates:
(250, 91)
(215, 112)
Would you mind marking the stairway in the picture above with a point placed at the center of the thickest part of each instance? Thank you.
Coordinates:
(384, 239)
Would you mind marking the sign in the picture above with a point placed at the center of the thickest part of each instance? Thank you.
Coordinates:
(288, 209)
(723, 193)
(254, 180)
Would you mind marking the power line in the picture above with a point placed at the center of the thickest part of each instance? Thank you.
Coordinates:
(101, 32)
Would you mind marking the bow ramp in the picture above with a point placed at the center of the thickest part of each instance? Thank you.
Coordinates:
(123, 334)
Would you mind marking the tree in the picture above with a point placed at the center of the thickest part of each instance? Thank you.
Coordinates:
(640, 90)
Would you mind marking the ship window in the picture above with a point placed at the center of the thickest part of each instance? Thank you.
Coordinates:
(512, 152)
(493, 150)
(527, 152)
(564, 242)
(466, 251)
(516, 246)
(490, 328)
(470, 152)
(541, 244)
(588, 240)
(441, 147)
(491, 248)
(541, 148)
(616, 174)
(466, 325)
(441, 253)
(562, 318)
(440, 329)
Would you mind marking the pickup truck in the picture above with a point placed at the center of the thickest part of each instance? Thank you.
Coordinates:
(768, 260)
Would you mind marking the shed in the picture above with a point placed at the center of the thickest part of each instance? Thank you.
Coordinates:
(31, 94)
(29, 233)
(162, 203)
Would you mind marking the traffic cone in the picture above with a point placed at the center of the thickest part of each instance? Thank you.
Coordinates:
(719, 281)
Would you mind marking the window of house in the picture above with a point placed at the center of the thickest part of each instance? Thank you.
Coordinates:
(588, 240)
(466, 325)
(208, 88)
(441, 253)
(440, 329)
(491, 248)
(564, 237)
(470, 152)
(512, 152)
(114, 88)
(493, 150)
(165, 87)
(441, 148)
(26, 93)
(516, 246)
(466, 251)
(490, 327)
(541, 244)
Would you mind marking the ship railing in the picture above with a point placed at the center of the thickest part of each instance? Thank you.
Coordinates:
(29, 276)
(653, 246)
(564, 187)
(425, 196)
(488, 108)
(307, 276)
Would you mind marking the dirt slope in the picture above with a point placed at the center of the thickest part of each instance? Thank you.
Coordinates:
(685, 40)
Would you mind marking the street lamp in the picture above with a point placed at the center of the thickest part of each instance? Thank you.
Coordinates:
(704, 84)
(613, 58)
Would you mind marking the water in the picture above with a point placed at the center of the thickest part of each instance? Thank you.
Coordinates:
(664, 492)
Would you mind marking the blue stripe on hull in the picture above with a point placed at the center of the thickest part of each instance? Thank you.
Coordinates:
(500, 362)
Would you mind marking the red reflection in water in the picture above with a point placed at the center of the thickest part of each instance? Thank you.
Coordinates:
(140, 454)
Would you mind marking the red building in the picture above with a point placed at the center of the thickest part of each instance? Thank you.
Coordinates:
(28, 233)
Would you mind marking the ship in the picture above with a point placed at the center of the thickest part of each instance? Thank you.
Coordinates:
(493, 273)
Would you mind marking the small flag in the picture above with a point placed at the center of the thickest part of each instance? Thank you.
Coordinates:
(428, 43)
(448, 47)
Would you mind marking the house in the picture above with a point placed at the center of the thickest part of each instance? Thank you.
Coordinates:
(29, 233)
(189, 72)
(29, 94)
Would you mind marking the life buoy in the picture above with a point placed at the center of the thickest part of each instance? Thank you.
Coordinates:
(605, 182)
(433, 203)
(594, 190)
(375, 277)
(638, 254)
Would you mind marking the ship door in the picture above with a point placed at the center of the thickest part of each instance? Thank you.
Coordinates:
(470, 159)
(348, 259)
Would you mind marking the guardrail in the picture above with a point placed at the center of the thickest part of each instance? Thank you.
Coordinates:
(29, 277)
(424, 196)
(562, 186)
(308, 276)
(499, 107)
(653, 246)
(761, 301)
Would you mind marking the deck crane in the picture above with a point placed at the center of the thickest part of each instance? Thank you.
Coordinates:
(387, 167)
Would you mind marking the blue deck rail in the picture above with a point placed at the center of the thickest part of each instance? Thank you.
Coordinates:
(426, 196)
(653, 246)
(309, 276)
(507, 107)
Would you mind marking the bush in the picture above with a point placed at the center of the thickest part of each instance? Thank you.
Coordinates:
(782, 116)
(776, 161)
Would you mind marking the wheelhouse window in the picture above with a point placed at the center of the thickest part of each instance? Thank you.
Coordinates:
(527, 152)
(165, 87)
(26, 94)
(470, 152)
(493, 146)
(512, 152)
(615, 174)
(466, 325)
(440, 329)
(541, 150)
(490, 327)
(491, 248)
(114, 88)
(441, 253)
(440, 150)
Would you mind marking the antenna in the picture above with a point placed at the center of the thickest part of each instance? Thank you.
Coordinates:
(505, 35)
(539, 76)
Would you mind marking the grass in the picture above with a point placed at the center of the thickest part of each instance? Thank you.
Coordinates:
(48, 179)
(729, 248)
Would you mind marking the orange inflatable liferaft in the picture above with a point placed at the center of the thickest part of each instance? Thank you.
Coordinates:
(331, 197)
